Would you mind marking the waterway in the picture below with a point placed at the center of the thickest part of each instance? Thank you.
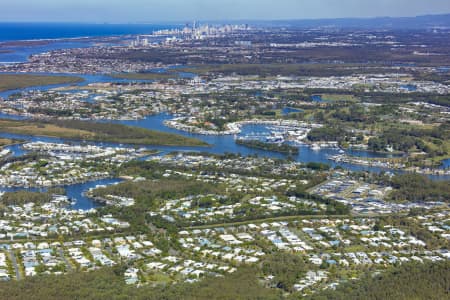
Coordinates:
(88, 79)
(219, 144)
(17, 54)
(21, 40)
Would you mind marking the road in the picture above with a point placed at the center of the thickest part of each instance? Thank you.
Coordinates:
(270, 219)
(295, 217)
(14, 263)
(63, 257)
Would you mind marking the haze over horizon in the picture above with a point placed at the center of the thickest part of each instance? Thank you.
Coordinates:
(135, 11)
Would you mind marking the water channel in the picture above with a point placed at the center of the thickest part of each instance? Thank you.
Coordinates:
(219, 144)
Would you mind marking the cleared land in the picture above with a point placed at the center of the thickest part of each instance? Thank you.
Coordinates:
(145, 76)
(6, 142)
(284, 69)
(18, 81)
(91, 131)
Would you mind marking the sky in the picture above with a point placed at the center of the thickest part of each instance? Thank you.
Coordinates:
(124, 11)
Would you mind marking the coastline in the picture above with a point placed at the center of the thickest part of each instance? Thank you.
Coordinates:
(44, 31)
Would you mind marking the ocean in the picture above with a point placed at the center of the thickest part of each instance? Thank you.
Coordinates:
(60, 36)
(37, 31)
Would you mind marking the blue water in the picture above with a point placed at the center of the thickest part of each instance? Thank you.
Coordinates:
(287, 110)
(74, 192)
(59, 35)
(17, 54)
(226, 144)
(446, 163)
(317, 98)
(219, 144)
(37, 31)
(11, 117)
(88, 78)
(409, 87)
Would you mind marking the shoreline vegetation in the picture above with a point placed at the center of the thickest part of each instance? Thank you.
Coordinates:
(92, 131)
(19, 81)
(145, 76)
(5, 142)
(275, 69)
(281, 148)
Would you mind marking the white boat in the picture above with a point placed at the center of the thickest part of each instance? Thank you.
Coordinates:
(275, 139)
(315, 147)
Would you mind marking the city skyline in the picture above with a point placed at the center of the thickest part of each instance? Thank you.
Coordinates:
(136, 11)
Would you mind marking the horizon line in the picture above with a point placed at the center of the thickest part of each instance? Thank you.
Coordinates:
(161, 22)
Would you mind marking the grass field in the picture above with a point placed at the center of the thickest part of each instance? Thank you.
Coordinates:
(29, 128)
(6, 142)
(339, 97)
(18, 81)
(102, 132)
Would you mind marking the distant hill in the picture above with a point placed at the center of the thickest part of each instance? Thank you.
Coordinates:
(419, 22)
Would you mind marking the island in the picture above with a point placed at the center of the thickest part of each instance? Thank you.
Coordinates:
(96, 131)
(276, 147)
(326, 177)
(18, 81)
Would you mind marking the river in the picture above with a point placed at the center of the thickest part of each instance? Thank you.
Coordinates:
(219, 144)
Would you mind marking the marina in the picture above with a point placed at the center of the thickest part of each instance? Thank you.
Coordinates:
(279, 132)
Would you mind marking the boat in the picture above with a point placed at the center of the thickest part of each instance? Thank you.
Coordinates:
(275, 139)
(315, 147)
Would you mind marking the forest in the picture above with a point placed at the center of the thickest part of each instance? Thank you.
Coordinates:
(406, 139)
(416, 187)
(282, 148)
(429, 281)
(326, 134)
(21, 197)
